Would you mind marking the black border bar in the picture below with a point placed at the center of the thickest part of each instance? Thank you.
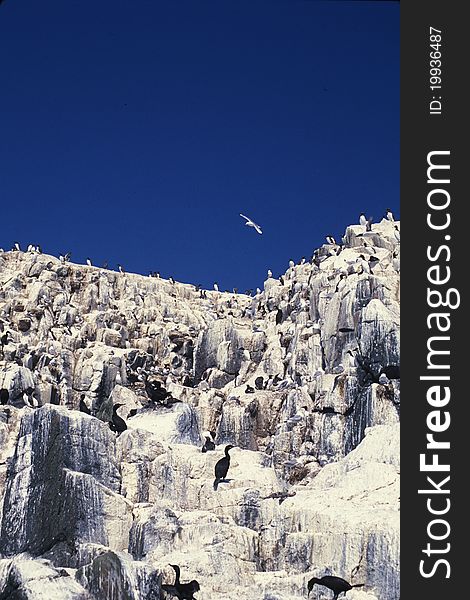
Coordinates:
(435, 243)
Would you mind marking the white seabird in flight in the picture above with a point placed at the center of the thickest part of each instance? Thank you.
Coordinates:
(251, 223)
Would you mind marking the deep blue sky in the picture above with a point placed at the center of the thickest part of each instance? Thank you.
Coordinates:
(136, 131)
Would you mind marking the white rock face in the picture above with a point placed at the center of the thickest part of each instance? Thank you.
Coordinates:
(289, 377)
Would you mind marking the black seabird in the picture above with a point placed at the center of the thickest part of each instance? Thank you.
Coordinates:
(4, 396)
(156, 392)
(336, 584)
(249, 389)
(331, 240)
(362, 219)
(4, 339)
(389, 215)
(183, 591)
(221, 467)
(121, 269)
(208, 444)
(259, 383)
(88, 262)
(83, 407)
(117, 424)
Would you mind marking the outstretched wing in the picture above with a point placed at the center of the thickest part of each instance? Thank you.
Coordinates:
(257, 227)
(247, 218)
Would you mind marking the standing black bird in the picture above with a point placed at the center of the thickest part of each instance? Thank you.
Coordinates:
(222, 466)
(155, 391)
(117, 424)
(4, 340)
(208, 444)
(183, 591)
(4, 396)
(259, 383)
(83, 406)
(335, 584)
(279, 316)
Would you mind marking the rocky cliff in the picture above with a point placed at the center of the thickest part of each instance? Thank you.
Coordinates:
(302, 379)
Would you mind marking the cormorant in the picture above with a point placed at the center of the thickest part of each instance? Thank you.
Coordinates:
(156, 392)
(117, 424)
(389, 215)
(83, 407)
(362, 219)
(183, 591)
(4, 396)
(208, 444)
(222, 466)
(279, 316)
(335, 584)
(4, 339)
(259, 383)
(330, 239)
(249, 389)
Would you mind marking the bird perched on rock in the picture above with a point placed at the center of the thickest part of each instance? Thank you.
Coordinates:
(336, 584)
(4, 396)
(83, 406)
(270, 273)
(117, 423)
(209, 444)
(331, 240)
(155, 391)
(222, 467)
(183, 591)
(362, 219)
(389, 215)
(259, 383)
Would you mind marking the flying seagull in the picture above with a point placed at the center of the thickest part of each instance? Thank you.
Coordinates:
(251, 223)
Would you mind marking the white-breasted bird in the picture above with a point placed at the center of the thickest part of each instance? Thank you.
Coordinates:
(251, 223)
(362, 219)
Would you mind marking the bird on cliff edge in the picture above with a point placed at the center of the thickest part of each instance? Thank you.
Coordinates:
(222, 467)
(183, 591)
(117, 423)
(251, 223)
(336, 584)
(209, 444)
